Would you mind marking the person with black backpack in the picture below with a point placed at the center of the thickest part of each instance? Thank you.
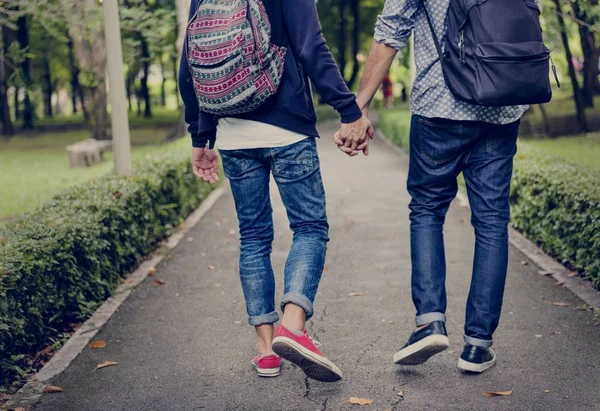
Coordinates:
(244, 79)
(479, 63)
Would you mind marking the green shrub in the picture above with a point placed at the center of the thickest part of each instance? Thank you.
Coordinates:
(555, 204)
(395, 124)
(60, 262)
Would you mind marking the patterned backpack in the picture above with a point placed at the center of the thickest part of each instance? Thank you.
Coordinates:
(234, 66)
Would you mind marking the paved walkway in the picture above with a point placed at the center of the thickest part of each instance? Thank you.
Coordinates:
(186, 345)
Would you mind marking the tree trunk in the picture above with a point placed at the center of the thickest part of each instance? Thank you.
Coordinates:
(90, 47)
(7, 126)
(74, 76)
(591, 85)
(175, 76)
(145, 92)
(572, 74)
(355, 42)
(342, 40)
(128, 90)
(23, 39)
(16, 103)
(182, 15)
(163, 85)
(545, 119)
(47, 87)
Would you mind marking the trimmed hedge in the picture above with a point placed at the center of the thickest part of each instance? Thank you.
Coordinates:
(58, 264)
(555, 204)
(558, 206)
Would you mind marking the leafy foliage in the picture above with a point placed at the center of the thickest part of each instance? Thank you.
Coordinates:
(558, 206)
(59, 263)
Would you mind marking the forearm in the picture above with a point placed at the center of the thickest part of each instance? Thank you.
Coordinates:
(378, 65)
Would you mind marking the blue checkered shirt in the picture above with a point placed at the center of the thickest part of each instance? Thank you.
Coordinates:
(430, 96)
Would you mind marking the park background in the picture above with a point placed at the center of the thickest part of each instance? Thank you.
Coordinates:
(88, 227)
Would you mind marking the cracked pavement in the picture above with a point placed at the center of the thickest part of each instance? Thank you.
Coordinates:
(186, 345)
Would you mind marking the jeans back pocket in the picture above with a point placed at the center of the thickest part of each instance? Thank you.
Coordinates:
(439, 139)
(296, 161)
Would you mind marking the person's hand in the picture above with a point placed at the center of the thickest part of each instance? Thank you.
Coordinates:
(354, 137)
(205, 163)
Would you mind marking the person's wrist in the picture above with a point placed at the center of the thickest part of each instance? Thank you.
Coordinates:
(363, 103)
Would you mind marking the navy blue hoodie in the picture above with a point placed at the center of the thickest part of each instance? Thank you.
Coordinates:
(295, 25)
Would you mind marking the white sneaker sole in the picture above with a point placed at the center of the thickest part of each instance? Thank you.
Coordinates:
(421, 351)
(474, 367)
(314, 366)
(267, 372)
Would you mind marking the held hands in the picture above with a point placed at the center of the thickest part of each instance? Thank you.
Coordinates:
(354, 137)
(205, 163)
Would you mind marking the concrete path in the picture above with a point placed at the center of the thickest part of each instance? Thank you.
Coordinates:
(186, 345)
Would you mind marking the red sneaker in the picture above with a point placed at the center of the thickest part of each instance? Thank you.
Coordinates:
(302, 351)
(267, 365)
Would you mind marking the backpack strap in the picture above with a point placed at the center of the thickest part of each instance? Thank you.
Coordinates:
(435, 37)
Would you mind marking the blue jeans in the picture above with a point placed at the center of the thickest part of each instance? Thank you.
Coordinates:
(439, 150)
(298, 177)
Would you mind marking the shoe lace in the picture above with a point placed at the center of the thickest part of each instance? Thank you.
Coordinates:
(315, 342)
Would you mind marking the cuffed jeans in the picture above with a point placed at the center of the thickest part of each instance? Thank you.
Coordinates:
(439, 151)
(298, 177)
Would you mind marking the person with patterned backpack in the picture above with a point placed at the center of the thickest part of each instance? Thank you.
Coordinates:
(244, 80)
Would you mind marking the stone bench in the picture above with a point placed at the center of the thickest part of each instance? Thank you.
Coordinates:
(86, 153)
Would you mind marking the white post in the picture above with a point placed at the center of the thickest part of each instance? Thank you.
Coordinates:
(121, 145)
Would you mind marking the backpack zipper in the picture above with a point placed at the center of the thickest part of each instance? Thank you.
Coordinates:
(461, 46)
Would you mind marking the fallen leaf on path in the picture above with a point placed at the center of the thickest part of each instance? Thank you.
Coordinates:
(52, 389)
(561, 304)
(211, 267)
(325, 269)
(158, 282)
(573, 274)
(232, 232)
(539, 336)
(98, 345)
(497, 393)
(525, 262)
(106, 364)
(401, 393)
(356, 294)
(151, 271)
(546, 391)
(221, 221)
(217, 285)
(129, 281)
(545, 272)
(189, 239)
(360, 401)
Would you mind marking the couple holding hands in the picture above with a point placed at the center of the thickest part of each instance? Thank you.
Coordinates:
(277, 137)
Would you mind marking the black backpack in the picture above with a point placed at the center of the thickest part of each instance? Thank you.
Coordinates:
(494, 54)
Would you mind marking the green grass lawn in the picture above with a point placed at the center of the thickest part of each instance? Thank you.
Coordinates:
(579, 151)
(34, 169)
(160, 117)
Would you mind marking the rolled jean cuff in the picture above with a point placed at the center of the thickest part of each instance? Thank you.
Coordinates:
(429, 318)
(270, 318)
(478, 342)
(300, 300)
